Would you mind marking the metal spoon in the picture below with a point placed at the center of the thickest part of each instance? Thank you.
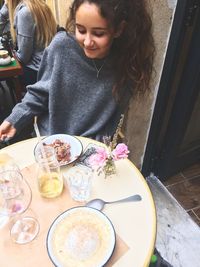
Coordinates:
(100, 203)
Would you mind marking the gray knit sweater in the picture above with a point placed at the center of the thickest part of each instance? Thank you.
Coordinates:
(68, 97)
(28, 51)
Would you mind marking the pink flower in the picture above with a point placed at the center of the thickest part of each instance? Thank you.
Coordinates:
(99, 158)
(120, 152)
(102, 155)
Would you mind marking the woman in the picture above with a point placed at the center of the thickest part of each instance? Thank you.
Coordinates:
(27, 19)
(4, 19)
(85, 80)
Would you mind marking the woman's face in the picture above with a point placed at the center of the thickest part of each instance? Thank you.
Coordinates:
(93, 32)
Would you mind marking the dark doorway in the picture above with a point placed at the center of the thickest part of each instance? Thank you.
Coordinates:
(174, 138)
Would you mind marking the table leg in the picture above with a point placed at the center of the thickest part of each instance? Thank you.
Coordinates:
(18, 88)
(10, 85)
(15, 88)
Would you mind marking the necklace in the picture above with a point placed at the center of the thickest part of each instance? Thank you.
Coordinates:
(98, 69)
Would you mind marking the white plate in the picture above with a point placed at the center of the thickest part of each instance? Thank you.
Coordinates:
(75, 143)
(81, 236)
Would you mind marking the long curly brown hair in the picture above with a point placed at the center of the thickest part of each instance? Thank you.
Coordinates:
(134, 49)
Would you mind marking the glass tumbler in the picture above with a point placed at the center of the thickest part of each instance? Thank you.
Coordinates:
(79, 179)
(50, 180)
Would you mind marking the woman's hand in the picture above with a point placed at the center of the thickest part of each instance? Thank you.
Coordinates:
(6, 130)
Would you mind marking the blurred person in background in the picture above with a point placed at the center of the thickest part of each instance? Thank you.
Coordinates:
(32, 27)
(4, 20)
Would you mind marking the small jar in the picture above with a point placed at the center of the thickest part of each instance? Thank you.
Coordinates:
(4, 54)
(4, 57)
(50, 180)
(109, 168)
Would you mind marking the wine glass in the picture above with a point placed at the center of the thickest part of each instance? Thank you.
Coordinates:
(15, 199)
(7, 163)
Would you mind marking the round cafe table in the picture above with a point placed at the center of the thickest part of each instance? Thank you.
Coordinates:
(134, 222)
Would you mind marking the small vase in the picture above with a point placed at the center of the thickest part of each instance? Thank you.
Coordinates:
(110, 168)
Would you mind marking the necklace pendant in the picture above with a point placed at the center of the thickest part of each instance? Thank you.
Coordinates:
(98, 69)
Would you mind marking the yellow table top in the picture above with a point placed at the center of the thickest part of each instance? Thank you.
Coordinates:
(134, 223)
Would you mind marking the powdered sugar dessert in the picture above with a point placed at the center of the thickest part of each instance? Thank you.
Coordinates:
(81, 237)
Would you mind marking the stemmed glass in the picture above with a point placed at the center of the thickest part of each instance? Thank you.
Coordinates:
(7, 163)
(15, 199)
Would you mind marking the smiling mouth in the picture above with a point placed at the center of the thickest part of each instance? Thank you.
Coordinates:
(90, 49)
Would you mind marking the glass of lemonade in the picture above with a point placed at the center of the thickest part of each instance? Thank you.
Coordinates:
(50, 180)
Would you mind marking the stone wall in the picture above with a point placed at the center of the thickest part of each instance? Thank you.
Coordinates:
(138, 120)
(60, 9)
(141, 109)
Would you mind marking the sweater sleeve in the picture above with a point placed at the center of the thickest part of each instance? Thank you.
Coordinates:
(4, 18)
(35, 101)
(25, 29)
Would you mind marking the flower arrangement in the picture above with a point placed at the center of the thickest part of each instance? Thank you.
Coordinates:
(105, 157)
(102, 154)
